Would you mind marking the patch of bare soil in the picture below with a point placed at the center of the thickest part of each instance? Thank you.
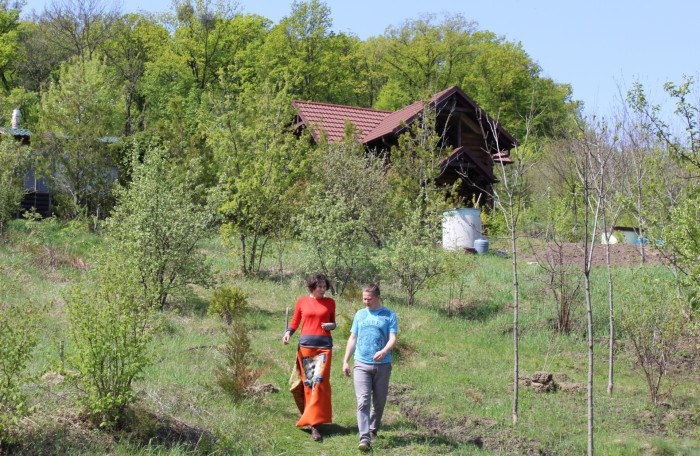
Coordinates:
(544, 382)
(572, 253)
(484, 433)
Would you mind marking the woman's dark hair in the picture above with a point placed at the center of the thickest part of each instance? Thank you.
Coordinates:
(313, 280)
(373, 289)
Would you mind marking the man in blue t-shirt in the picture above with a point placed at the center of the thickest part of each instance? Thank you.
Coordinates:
(372, 336)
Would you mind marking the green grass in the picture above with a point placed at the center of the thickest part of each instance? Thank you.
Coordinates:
(452, 378)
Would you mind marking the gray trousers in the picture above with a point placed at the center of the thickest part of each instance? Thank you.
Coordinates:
(371, 388)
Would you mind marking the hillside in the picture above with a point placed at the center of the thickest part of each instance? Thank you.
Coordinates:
(451, 387)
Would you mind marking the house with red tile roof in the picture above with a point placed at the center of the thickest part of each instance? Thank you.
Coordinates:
(474, 140)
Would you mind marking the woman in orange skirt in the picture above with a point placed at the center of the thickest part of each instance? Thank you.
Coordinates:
(316, 314)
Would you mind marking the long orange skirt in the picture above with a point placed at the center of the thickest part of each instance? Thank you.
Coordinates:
(314, 367)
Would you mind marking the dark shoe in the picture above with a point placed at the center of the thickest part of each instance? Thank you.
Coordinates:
(373, 435)
(364, 445)
(315, 434)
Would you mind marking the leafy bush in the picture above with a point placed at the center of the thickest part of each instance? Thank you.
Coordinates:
(13, 158)
(228, 303)
(411, 258)
(345, 215)
(112, 319)
(341, 248)
(653, 321)
(158, 225)
(18, 329)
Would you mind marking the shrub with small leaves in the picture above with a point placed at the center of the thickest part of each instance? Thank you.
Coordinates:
(158, 223)
(228, 303)
(112, 319)
(411, 258)
(18, 329)
(653, 321)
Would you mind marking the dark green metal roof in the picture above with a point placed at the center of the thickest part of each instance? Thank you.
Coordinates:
(15, 131)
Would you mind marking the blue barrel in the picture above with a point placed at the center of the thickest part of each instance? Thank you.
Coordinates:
(481, 246)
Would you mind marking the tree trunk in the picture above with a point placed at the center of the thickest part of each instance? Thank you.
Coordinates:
(589, 313)
(516, 302)
(611, 310)
(244, 264)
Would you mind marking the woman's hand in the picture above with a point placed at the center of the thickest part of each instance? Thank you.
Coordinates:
(285, 338)
(328, 326)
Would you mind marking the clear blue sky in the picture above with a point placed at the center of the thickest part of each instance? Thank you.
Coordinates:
(597, 46)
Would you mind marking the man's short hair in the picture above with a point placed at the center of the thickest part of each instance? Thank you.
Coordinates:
(373, 289)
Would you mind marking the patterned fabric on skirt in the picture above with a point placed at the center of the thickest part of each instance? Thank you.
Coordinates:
(314, 368)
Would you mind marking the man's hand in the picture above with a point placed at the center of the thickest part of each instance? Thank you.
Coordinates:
(379, 355)
(346, 368)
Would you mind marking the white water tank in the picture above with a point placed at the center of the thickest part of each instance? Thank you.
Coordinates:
(460, 228)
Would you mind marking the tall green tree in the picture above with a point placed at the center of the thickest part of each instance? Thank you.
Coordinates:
(317, 63)
(9, 40)
(261, 162)
(415, 166)
(430, 53)
(77, 113)
(423, 55)
(78, 27)
(207, 36)
(675, 225)
(135, 44)
(37, 57)
(345, 218)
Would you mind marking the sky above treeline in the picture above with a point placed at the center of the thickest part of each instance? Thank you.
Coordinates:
(600, 47)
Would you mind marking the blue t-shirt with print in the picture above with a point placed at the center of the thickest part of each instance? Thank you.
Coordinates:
(372, 329)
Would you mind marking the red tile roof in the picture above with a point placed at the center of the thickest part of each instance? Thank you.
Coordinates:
(394, 121)
(373, 124)
(331, 119)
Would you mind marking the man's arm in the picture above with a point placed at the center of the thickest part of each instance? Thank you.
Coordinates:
(387, 348)
(349, 350)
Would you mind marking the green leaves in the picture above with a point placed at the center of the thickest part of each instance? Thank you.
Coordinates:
(411, 258)
(261, 163)
(158, 225)
(18, 332)
(653, 321)
(13, 161)
(112, 319)
(77, 112)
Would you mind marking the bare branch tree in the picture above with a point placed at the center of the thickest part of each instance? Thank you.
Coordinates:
(78, 27)
(592, 156)
(509, 197)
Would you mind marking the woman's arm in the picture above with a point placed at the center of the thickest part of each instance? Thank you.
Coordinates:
(294, 324)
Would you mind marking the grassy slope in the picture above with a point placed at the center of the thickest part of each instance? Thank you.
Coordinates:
(452, 379)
